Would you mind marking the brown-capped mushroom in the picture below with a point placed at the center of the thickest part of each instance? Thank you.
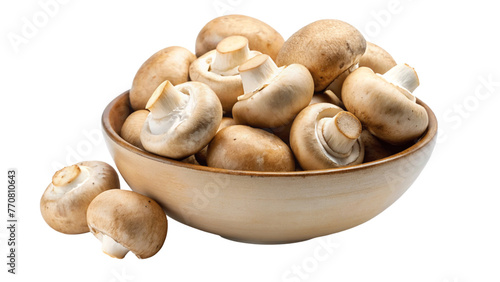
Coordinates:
(376, 58)
(127, 221)
(325, 136)
(261, 36)
(171, 63)
(131, 129)
(65, 201)
(326, 47)
(385, 104)
(182, 119)
(219, 69)
(241, 147)
(273, 96)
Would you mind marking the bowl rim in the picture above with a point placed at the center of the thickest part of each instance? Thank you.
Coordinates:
(428, 137)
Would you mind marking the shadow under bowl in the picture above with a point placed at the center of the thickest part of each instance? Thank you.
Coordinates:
(266, 207)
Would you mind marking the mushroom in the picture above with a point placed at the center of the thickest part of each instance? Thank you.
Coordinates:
(325, 136)
(219, 69)
(261, 36)
(385, 104)
(201, 156)
(273, 96)
(241, 147)
(127, 221)
(65, 201)
(376, 58)
(326, 47)
(182, 119)
(131, 129)
(171, 63)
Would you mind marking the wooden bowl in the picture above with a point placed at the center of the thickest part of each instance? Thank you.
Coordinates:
(266, 207)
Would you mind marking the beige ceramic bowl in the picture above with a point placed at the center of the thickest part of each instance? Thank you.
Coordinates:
(266, 207)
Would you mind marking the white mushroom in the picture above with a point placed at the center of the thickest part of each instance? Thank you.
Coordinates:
(219, 69)
(325, 136)
(327, 48)
(131, 128)
(385, 104)
(127, 221)
(273, 96)
(65, 201)
(241, 147)
(171, 63)
(261, 36)
(182, 120)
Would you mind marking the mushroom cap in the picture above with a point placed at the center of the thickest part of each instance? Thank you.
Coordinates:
(383, 108)
(194, 131)
(227, 88)
(131, 129)
(65, 201)
(133, 220)
(241, 147)
(171, 63)
(376, 58)
(307, 147)
(261, 36)
(278, 102)
(326, 48)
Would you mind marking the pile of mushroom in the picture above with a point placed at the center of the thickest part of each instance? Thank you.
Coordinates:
(248, 100)
(324, 98)
(86, 197)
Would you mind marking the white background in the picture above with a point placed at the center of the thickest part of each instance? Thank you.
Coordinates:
(55, 84)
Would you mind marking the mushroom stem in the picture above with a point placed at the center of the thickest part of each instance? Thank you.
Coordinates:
(231, 52)
(69, 178)
(403, 76)
(256, 74)
(339, 134)
(166, 99)
(113, 248)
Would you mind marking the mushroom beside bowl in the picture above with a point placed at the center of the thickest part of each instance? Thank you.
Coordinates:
(266, 207)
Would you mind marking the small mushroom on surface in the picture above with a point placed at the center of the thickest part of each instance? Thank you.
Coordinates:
(65, 201)
(327, 96)
(127, 221)
(219, 69)
(131, 129)
(171, 63)
(385, 104)
(182, 119)
(261, 36)
(325, 136)
(326, 48)
(376, 58)
(201, 156)
(241, 147)
(273, 96)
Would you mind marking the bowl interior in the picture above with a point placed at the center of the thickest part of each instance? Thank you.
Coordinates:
(117, 111)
